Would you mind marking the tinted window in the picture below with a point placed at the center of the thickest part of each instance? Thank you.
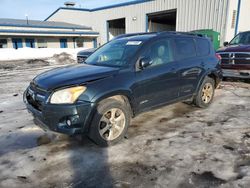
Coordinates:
(185, 48)
(42, 43)
(203, 47)
(160, 52)
(241, 38)
(3, 43)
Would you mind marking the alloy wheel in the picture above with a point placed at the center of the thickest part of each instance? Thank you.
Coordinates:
(207, 93)
(112, 124)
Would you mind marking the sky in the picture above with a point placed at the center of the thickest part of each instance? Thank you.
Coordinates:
(41, 9)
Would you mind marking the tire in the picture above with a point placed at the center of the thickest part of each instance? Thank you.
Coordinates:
(207, 88)
(107, 129)
(189, 102)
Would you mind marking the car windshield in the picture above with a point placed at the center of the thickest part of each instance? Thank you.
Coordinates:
(115, 53)
(241, 38)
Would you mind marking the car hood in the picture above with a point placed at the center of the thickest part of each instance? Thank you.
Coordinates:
(86, 52)
(72, 75)
(235, 48)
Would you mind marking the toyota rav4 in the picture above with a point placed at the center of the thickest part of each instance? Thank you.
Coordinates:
(125, 77)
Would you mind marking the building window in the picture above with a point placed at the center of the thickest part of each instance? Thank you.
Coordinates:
(42, 43)
(79, 42)
(30, 43)
(95, 43)
(63, 43)
(17, 43)
(3, 43)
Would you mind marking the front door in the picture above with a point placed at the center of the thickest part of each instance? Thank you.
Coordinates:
(159, 82)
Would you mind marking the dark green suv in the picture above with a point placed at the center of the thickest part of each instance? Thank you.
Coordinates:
(125, 77)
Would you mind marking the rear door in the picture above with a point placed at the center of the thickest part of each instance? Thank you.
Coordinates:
(191, 65)
(158, 83)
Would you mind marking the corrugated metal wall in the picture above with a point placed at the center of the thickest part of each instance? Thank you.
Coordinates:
(114, 32)
(191, 15)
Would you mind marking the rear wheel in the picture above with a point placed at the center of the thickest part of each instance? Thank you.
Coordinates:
(110, 122)
(206, 93)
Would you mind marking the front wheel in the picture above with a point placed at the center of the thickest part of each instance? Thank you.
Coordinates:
(206, 93)
(110, 122)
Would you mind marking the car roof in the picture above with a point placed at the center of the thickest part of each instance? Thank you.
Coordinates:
(150, 35)
(136, 36)
(244, 32)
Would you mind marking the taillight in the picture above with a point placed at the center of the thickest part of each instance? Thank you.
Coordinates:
(218, 56)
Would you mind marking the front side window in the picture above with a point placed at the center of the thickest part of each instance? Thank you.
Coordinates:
(3, 43)
(160, 52)
(42, 43)
(241, 38)
(115, 53)
(185, 48)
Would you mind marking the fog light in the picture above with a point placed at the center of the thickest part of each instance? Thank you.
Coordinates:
(68, 122)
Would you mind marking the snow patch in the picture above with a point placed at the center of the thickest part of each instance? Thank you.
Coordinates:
(35, 53)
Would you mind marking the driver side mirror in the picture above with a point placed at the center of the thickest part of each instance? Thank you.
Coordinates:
(225, 44)
(145, 62)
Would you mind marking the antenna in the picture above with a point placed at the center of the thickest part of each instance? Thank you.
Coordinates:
(27, 18)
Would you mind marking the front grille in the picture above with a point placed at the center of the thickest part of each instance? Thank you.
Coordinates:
(237, 58)
(35, 97)
(81, 59)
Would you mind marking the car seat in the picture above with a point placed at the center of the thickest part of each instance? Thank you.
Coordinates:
(157, 55)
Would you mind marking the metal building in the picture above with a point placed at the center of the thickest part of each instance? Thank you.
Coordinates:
(225, 16)
(16, 34)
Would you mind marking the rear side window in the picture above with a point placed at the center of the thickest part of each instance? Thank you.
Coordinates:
(203, 47)
(185, 48)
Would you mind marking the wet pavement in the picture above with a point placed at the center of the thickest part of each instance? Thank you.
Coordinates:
(175, 146)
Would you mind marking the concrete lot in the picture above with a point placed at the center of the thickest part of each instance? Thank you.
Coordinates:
(175, 146)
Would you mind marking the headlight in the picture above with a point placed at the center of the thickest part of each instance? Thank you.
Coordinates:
(67, 96)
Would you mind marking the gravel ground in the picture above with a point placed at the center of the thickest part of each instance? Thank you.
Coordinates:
(175, 146)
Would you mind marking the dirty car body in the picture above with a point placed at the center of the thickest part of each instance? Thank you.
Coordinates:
(143, 83)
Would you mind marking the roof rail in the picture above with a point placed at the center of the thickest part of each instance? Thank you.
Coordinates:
(133, 34)
(181, 33)
(159, 33)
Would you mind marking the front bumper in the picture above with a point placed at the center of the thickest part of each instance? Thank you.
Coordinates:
(235, 73)
(54, 117)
